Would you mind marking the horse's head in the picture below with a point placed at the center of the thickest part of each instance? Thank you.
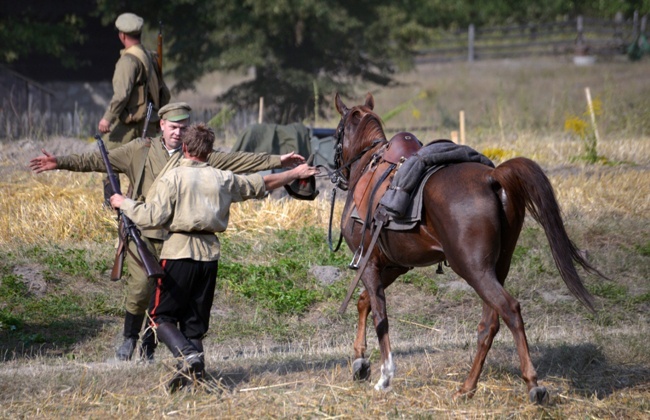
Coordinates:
(359, 130)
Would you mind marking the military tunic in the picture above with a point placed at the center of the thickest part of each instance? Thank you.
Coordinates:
(142, 161)
(127, 108)
(191, 202)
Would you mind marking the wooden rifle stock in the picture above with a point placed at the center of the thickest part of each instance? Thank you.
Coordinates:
(160, 47)
(120, 253)
(150, 263)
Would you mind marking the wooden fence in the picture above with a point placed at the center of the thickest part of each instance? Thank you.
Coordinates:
(578, 36)
(79, 123)
(26, 111)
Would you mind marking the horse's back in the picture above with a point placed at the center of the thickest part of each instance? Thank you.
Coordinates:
(460, 210)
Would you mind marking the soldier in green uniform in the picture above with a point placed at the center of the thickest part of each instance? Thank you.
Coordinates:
(137, 81)
(143, 161)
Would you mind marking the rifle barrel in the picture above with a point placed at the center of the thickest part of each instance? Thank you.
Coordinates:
(151, 265)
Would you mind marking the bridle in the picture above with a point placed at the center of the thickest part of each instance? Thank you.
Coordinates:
(338, 177)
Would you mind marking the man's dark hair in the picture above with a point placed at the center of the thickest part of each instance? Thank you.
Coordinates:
(199, 140)
(137, 36)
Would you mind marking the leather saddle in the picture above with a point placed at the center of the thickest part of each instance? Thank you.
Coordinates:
(380, 171)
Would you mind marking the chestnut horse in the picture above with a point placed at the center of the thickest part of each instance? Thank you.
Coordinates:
(472, 216)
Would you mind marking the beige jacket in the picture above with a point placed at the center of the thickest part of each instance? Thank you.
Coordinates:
(191, 202)
(143, 161)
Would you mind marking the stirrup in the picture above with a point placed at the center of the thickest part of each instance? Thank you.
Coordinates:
(356, 258)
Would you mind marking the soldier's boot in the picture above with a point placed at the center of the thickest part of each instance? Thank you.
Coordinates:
(132, 326)
(198, 345)
(189, 358)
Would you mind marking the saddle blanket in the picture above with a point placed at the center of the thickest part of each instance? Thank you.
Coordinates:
(403, 199)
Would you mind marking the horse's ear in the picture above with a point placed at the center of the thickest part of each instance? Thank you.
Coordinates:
(340, 106)
(370, 101)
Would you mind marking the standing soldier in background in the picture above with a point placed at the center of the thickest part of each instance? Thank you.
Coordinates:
(143, 161)
(137, 81)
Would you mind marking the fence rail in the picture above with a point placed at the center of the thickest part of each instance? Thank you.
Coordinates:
(580, 36)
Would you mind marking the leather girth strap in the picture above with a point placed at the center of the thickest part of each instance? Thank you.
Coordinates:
(380, 218)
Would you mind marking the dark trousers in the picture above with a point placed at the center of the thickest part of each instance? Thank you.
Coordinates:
(184, 296)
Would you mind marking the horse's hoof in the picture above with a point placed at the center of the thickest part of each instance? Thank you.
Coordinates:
(361, 369)
(463, 395)
(538, 395)
(380, 386)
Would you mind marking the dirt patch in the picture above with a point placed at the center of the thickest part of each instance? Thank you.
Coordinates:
(32, 276)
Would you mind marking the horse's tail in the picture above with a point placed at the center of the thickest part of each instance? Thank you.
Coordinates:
(526, 184)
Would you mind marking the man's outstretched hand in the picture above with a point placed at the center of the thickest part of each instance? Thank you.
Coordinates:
(47, 162)
(291, 160)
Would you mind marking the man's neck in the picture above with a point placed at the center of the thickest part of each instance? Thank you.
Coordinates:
(170, 151)
(186, 155)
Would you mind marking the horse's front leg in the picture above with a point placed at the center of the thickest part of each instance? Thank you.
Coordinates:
(381, 327)
(361, 365)
(375, 290)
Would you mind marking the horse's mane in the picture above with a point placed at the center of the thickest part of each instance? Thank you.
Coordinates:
(370, 129)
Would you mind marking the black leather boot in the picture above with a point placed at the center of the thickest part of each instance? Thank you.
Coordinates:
(198, 345)
(132, 325)
(190, 360)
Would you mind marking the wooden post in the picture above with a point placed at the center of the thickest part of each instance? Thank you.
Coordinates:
(461, 118)
(592, 113)
(470, 43)
(581, 47)
(261, 114)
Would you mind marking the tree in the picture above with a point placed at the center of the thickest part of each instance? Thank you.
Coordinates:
(28, 28)
(296, 47)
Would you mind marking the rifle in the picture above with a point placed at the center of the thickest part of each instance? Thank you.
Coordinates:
(150, 263)
(160, 45)
(147, 119)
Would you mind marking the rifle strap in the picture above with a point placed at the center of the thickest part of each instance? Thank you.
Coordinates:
(153, 83)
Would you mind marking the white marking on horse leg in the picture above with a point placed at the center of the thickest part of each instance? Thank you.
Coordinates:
(387, 373)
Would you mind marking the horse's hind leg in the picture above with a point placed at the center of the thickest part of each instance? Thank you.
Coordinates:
(507, 307)
(487, 330)
(361, 365)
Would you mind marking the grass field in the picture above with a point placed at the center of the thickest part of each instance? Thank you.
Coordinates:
(277, 347)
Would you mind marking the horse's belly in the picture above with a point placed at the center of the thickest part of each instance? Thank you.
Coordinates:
(411, 249)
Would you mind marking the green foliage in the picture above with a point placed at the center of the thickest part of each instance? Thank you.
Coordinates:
(75, 262)
(281, 284)
(421, 280)
(29, 30)
(270, 286)
(19, 306)
(222, 119)
(440, 13)
(295, 47)
(608, 290)
(309, 246)
(644, 249)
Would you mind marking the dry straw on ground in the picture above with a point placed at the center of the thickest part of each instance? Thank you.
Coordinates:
(594, 366)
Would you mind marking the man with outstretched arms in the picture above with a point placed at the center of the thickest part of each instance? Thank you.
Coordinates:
(143, 161)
